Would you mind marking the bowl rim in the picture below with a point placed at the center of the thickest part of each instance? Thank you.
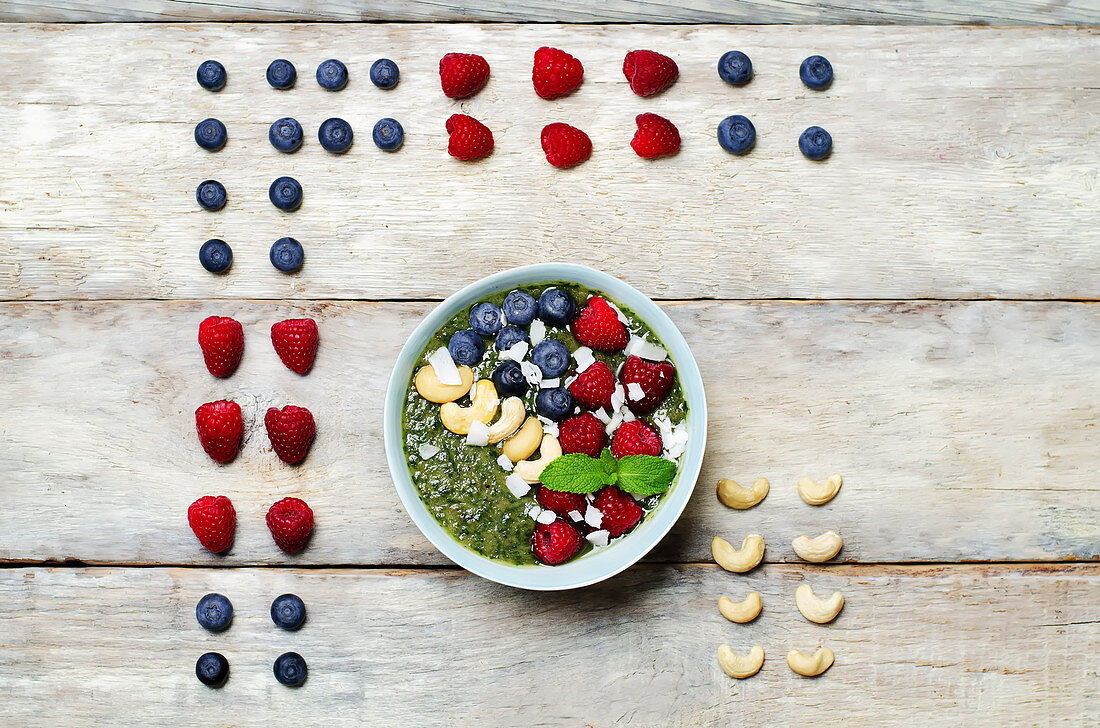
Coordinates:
(595, 566)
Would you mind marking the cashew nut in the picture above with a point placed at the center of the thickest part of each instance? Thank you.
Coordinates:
(738, 560)
(531, 470)
(511, 417)
(818, 549)
(810, 665)
(524, 443)
(483, 407)
(430, 388)
(737, 496)
(818, 494)
(739, 666)
(741, 612)
(821, 611)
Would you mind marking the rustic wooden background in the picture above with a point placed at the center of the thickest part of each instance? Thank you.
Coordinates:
(916, 313)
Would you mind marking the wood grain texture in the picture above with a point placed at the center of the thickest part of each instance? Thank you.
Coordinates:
(970, 645)
(958, 172)
(964, 431)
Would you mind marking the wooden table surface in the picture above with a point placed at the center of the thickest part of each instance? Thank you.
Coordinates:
(916, 313)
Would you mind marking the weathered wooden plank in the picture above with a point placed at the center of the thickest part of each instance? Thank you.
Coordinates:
(964, 431)
(969, 644)
(958, 172)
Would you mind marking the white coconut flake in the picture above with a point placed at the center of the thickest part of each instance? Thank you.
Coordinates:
(504, 462)
(583, 357)
(444, 366)
(640, 346)
(516, 352)
(593, 517)
(590, 497)
(534, 510)
(550, 383)
(531, 373)
(550, 428)
(547, 517)
(426, 451)
(664, 426)
(518, 487)
(537, 332)
(634, 391)
(602, 416)
(576, 516)
(616, 420)
(677, 441)
(618, 397)
(478, 436)
(598, 538)
(619, 313)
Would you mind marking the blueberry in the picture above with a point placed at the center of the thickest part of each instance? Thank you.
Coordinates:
(554, 404)
(290, 669)
(210, 195)
(285, 135)
(335, 135)
(281, 74)
(736, 134)
(520, 308)
(556, 307)
(214, 612)
(509, 380)
(735, 68)
(509, 336)
(388, 135)
(212, 669)
(816, 72)
(211, 75)
(332, 75)
(216, 255)
(210, 134)
(285, 193)
(551, 356)
(815, 143)
(384, 73)
(288, 611)
(485, 319)
(286, 255)
(466, 347)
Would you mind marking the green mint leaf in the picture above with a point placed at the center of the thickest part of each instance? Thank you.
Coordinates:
(645, 474)
(576, 473)
(609, 462)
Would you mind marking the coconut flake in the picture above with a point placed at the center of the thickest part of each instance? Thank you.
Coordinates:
(602, 415)
(547, 517)
(634, 391)
(445, 370)
(550, 383)
(618, 312)
(518, 487)
(426, 451)
(576, 516)
(534, 510)
(531, 373)
(677, 442)
(593, 517)
(616, 420)
(584, 358)
(550, 428)
(598, 538)
(505, 462)
(537, 332)
(618, 397)
(478, 436)
(640, 346)
(516, 352)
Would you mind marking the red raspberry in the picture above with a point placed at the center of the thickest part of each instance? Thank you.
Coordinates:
(559, 502)
(564, 145)
(470, 139)
(583, 434)
(555, 543)
(649, 72)
(635, 438)
(656, 136)
(592, 389)
(291, 431)
(462, 74)
(555, 73)
(214, 522)
(655, 379)
(619, 509)
(598, 326)
(220, 427)
(295, 341)
(222, 342)
(290, 521)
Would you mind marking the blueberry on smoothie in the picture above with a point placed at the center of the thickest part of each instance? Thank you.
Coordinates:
(557, 308)
(735, 68)
(290, 669)
(509, 336)
(736, 134)
(554, 404)
(214, 612)
(332, 75)
(384, 73)
(285, 193)
(212, 669)
(281, 74)
(816, 72)
(288, 611)
(552, 357)
(287, 255)
(815, 143)
(466, 347)
(485, 319)
(285, 135)
(210, 134)
(509, 380)
(335, 135)
(211, 75)
(216, 255)
(210, 195)
(520, 308)
(388, 135)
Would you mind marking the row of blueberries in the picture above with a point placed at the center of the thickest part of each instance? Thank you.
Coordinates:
(214, 612)
(332, 75)
(285, 193)
(286, 254)
(286, 135)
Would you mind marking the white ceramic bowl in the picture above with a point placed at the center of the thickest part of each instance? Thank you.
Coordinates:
(598, 564)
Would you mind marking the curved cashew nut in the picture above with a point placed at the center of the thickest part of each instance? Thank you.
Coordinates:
(430, 388)
(821, 611)
(818, 549)
(736, 496)
(524, 443)
(483, 408)
(739, 666)
(741, 612)
(738, 560)
(818, 494)
(810, 665)
(531, 470)
(511, 417)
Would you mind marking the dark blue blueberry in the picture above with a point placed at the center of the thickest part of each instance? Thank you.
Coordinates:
(384, 73)
(212, 669)
(216, 255)
(290, 669)
(520, 308)
(816, 72)
(509, 336)
(466, 347)
(509, 380)
(557, 307)
(735, 68)
(332, 75)
(210, 134)
(285, 193)
(815, 143)
(211, 75)
(210, 195)
(286, 255)
(388, 135)
(281, 74)
(551, 356)
(214, 612)
(554, 404)
(285, 135)
(736, 134)
(335, 135)
(485, 319)
(288, 611)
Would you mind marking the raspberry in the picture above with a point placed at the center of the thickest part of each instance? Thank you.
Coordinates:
(592, 389)
(655, 379)
(222, 342)
(470, 139)
(649, 72)
(295, 341)
(559, 502)
(564, 145)
(555, 543)
(635, 438)
(290, 521)
(582, 434)
(656, 136)
(555, 73)
(291, 432)
(598, 326)
(462, 74)
(214, 522)
(220, 427)
(619, 509)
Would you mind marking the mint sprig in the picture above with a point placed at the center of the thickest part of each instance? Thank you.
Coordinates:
(645, 474)
(638, 474)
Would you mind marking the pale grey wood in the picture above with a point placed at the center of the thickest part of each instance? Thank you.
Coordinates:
(964, 431)
(959, 169)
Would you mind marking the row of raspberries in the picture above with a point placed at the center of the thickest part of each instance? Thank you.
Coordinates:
(214, 522)
(222, 342)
